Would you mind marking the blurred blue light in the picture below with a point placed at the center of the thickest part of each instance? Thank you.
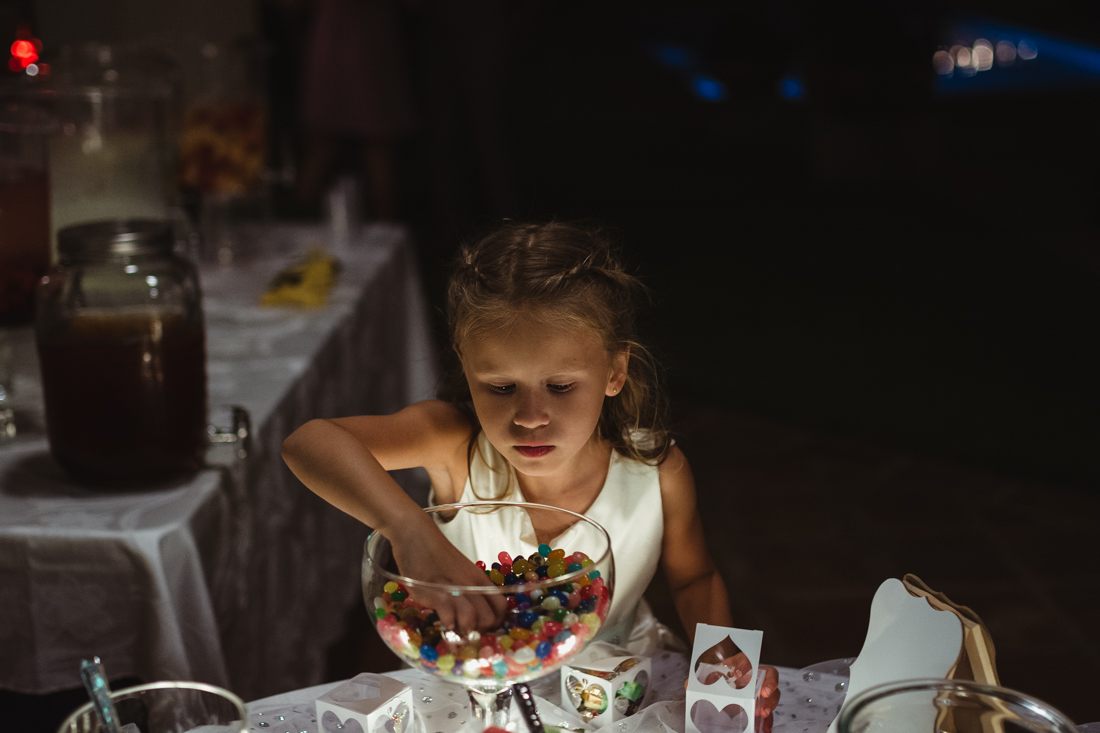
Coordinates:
(673, 56)
(709, 88)
(792, 88)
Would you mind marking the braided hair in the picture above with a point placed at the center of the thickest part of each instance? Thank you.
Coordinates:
(569, 276)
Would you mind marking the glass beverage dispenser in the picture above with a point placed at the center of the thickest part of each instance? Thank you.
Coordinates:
(109, 155)
(121, 342)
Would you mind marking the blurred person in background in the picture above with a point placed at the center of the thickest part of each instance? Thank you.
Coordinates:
(355, 92)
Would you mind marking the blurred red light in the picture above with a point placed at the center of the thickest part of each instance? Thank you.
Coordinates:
(15, 64)
(23, 49)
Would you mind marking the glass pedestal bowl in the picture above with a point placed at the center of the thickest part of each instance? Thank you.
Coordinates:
(556, 602)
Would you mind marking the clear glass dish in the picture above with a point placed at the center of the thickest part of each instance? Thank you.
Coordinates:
(549, 619)
(168, 707)
(949, 706)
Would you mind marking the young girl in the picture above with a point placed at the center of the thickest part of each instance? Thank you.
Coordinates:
(552, 401)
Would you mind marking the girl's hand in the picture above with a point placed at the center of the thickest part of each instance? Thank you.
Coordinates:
(768, 697)
(430, 557)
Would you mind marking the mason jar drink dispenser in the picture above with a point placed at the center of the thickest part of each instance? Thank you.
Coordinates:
(121, 341)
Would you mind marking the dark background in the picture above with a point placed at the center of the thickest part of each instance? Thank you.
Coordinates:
(875, 258)
(875, 290)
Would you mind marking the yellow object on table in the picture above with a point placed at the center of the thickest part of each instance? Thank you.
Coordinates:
(305, 284)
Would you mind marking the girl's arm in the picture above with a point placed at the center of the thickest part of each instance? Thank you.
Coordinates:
(697, 588)
(345, 462)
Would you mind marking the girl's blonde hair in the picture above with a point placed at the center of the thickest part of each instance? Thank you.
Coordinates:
(566, 275)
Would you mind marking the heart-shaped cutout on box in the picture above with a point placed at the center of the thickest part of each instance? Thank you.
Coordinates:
(331, 724)
(395, 720)
(574, 686)
(630, 695)
(709, 719)
(625, 666)
(719, 662)
(593, 702)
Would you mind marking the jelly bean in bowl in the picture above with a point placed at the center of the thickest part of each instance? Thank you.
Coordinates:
(551, 567)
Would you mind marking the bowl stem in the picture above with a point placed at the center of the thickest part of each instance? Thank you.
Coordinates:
(491, 707)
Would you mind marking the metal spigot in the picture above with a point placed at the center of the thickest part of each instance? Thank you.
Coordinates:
(239, 432)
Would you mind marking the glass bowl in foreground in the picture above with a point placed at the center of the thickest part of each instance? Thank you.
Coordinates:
(949, 706)
(167, 707)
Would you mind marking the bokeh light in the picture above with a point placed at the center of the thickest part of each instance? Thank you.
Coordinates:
(1005, 53)
(982, 55)
(942, 63)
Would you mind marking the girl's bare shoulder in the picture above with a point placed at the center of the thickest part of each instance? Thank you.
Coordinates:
(677, 482)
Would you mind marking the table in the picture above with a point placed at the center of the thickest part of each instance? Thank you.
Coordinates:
(810, 700)
(238, 575)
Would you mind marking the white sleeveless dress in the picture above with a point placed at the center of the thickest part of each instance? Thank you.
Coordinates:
(628, 507)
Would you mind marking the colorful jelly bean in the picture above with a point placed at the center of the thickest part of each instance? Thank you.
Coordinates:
(537, 632)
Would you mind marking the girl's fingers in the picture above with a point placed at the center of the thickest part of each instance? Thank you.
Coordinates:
(446, 614)
(468, 618)
(486, 614)
(771, 681)
(769, 691)
(500, 607)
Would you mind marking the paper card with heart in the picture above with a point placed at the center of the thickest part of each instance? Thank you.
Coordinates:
(602, 688)
(367, 703)
(722, 677)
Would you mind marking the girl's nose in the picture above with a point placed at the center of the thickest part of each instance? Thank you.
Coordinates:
(530, 411)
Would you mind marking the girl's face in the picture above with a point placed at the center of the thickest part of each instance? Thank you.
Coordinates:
(538, 390)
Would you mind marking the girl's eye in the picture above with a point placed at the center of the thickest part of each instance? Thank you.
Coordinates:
(560, 387)
(501, 388)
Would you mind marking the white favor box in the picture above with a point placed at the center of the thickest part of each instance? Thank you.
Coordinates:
(605, 690)
(367, 703)
(716, 701)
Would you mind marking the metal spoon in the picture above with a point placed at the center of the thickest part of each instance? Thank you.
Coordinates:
(95, 682)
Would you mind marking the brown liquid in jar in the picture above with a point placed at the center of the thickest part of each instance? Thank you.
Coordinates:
(24, 244)
(125, 396)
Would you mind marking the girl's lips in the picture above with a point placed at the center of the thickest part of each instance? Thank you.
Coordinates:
(533, 451)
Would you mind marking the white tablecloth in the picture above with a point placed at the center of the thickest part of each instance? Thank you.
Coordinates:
(237, 576)
(809, 702)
